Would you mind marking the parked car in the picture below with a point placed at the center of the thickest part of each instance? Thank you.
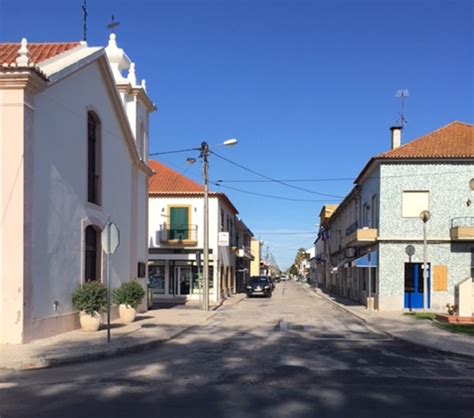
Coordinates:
(259, 285)
(283, 278)
(272, 281)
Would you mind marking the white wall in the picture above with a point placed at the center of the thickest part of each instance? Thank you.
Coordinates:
(61, 211)
(158, 215)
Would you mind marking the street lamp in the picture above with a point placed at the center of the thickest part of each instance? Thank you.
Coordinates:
(204, 155)
(425, 217)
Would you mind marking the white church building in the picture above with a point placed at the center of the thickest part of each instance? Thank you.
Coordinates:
(74, 134)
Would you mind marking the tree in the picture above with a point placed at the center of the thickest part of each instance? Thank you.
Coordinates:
(293, 270)
(300, 256)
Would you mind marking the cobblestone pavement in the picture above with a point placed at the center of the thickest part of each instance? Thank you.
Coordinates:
(294, 355)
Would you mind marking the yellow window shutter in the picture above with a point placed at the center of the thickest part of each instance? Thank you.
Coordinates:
(440, 278)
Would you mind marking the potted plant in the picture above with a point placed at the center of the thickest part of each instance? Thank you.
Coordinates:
(90, 299)
(128, 296)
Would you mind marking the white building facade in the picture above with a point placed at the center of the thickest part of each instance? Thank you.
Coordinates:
(74, 132)
(175, 238)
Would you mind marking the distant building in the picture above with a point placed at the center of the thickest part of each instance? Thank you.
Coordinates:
(244, 256)
(255, 264)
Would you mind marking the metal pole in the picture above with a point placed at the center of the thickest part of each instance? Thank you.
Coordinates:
(108, 284)
(425, 270)
(205, 169)
(369, 284)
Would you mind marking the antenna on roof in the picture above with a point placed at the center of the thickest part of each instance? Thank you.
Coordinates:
(402, 94)
(113, 24)
(84, 20)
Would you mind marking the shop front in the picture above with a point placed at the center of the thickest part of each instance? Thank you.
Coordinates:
(178, 278)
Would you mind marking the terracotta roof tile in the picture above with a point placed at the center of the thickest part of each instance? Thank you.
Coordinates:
(169, 183)
(38, 52)
(167, 180)
(455, 140)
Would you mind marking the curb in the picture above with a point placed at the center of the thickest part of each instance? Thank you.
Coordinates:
(44, 363)
(394, 337)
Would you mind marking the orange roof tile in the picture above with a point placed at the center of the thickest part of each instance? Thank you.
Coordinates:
(455, 140)
(452, 141)
(167, 180)
(168, 183)
(38, 52)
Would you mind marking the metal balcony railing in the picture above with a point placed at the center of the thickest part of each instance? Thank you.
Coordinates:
(462, 222)
(351, 229)
(177, 233)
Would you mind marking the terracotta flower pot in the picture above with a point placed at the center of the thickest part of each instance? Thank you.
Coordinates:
(89, 322)
(127, 313)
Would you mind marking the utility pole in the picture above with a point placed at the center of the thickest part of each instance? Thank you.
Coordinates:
(205, 173)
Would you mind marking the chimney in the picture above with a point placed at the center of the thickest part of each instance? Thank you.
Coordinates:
(396, 136)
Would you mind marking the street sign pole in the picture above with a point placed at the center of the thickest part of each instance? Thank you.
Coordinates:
(369, 300)
(108, 285)
(110, 238)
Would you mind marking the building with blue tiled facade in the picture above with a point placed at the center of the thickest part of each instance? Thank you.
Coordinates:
(377, 231)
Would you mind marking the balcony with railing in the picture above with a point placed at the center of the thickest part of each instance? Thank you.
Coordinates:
(357, 237)
(244, 252)
(462, 228)
(185, 236)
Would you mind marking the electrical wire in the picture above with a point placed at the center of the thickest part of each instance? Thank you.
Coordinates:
(287, 233)
(270, 195)
(173, 152)
(272, 179)
(287, 180)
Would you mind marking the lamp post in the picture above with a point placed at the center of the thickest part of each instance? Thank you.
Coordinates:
(204, 151)
(425, 217)
(205, 174)
(204, 155)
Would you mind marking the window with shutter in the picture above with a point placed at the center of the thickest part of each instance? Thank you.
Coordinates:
(179, 223)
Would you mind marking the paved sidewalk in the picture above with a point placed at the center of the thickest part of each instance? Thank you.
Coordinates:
(402, 327)
(149, 329)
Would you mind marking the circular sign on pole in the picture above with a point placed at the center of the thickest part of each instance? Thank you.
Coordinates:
(110, 238)
(410, 250)
(425, 216)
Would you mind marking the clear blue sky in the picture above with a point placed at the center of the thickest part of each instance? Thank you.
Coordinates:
(307, 87)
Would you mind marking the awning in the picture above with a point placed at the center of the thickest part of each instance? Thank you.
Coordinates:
(364, 261)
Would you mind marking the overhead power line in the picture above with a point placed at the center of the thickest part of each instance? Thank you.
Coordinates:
(270, 195)
(287, 233)
(272, 179)
(173, 152)
(287, 180)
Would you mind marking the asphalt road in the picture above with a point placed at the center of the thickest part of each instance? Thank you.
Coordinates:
(294, 355)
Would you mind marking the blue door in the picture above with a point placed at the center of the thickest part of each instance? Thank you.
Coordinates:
(414, 286)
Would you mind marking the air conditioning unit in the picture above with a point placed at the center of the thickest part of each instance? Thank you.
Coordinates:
(240, 252)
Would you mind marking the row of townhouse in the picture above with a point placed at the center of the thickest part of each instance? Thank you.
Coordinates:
(370, 247)
(176, 235)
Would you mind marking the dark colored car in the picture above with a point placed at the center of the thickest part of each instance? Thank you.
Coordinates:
(272, 281)
(259, 285)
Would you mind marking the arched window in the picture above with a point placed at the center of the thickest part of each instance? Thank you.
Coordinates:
(92, 254)
(93, 158)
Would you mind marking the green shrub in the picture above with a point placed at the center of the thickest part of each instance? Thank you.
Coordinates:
(129, 293)
(90, 297)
